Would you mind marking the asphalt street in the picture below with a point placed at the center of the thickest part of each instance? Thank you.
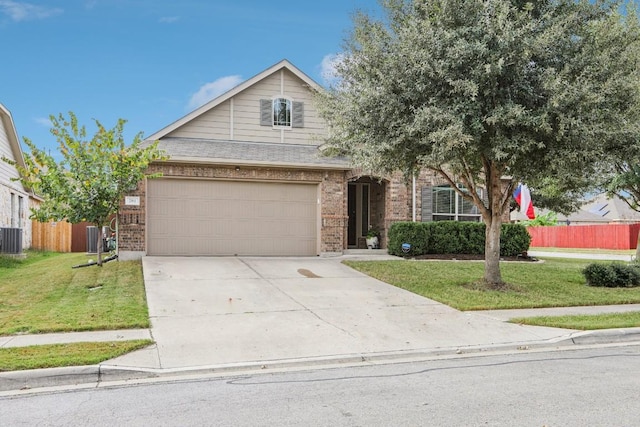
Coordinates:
(578, 387)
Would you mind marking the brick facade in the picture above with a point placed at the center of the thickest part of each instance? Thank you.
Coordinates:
(391, 199)
(132, 219)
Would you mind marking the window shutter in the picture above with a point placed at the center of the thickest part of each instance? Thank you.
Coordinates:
(297, 120)
(427, 203)
(266, 119)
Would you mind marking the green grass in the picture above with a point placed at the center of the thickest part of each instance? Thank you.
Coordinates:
(554, 283)
(58, 355)
(42, 293)
(584, 322)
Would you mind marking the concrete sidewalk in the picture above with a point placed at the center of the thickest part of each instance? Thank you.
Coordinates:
(26, 340)
(583, 255)
(242, 314)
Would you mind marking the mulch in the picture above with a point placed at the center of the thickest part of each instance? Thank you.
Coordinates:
(469, 257)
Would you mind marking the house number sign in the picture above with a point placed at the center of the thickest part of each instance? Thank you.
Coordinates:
(132, 200)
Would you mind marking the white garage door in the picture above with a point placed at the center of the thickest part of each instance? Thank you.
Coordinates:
(206, 217)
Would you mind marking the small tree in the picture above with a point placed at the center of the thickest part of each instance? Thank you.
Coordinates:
(488, 93)
(92, 177)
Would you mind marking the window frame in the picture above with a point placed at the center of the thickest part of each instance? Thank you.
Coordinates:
(456, 211)
(289, 107)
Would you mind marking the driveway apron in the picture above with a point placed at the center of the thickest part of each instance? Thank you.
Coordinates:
(239, 310)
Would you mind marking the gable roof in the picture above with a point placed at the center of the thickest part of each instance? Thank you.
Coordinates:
(284, 64)
(12, 135)
(612, 209)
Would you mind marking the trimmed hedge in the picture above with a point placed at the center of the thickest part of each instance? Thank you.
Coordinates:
(454, 237)
(612, 275)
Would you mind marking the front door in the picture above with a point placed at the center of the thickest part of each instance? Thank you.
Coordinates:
(358, 205)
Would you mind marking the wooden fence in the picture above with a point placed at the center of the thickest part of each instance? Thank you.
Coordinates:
(51, 236)
(606, 236)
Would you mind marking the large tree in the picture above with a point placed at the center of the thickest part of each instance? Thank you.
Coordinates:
(487, 93)
(91, 178)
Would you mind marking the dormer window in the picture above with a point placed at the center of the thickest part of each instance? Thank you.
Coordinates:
(281, 113)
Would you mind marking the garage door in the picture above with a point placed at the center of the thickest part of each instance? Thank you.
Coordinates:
(200, 217)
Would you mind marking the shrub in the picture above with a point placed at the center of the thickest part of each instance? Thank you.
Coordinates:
(408, 232)
(454, 237)
(612, 275)
(443, 237)
(550, 218)
(514, 240)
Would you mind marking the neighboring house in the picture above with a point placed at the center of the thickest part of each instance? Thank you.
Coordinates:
(14, 197)
(245, 176)
(613, 210)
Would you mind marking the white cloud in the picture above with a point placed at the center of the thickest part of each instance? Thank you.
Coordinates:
(211, 90)
(168, 19)
(20, 11)
(328, 68)
(44, 121)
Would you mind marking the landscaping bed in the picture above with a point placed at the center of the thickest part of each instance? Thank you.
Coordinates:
(471, 257)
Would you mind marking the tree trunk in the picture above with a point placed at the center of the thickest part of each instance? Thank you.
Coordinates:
(492, 275)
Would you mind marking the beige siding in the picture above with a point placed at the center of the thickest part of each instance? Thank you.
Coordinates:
(285, 83)
(7, 172)
(245, 106)
(314, 126)
(10, 216)
(213, 217)
(247, 111)
(214, 124)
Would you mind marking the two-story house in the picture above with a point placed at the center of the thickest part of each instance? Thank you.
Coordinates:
(246, 176)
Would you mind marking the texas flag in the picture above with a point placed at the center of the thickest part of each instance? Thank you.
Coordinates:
(523, 197)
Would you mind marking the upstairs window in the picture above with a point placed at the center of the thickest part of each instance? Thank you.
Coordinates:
(281, 113)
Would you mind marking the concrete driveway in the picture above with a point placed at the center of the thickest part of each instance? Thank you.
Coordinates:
(242, 311)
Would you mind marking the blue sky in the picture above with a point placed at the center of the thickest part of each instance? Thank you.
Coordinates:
(152, 61)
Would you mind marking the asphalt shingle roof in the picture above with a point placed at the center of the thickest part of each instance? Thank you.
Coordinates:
(221, 151)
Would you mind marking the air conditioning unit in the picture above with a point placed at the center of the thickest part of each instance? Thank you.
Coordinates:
(11, 240)
(92, 239)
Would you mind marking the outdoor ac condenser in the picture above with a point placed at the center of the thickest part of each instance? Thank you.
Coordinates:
(11, 240)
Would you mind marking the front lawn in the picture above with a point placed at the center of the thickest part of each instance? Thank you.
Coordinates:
(58, 355)
(44, 294)
(553, 283)
(584, 322)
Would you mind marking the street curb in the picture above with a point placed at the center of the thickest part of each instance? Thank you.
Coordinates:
(606, 336)
(94, 375)
(37, 378)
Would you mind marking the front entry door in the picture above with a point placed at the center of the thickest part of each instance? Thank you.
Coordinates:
(358, 206)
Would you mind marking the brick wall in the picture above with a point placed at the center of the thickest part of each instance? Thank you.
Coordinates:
(131, 219)
(399, 196)
(399, 205)
(394, 193)
(334, 211)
